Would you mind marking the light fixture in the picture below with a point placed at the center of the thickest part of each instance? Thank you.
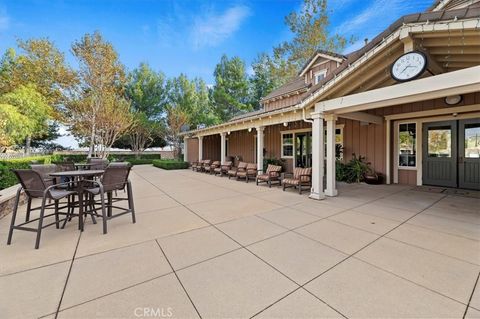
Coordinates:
(249, 129)
(228, 132)
(285, 124)
(453, 99)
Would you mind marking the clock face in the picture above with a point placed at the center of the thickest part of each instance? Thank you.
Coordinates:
(409, 66)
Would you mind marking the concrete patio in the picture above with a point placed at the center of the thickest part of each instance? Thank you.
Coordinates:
(205, 246)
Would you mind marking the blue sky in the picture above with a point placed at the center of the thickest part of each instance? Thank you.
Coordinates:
(186, 36)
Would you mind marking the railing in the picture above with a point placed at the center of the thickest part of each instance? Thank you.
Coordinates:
(20, 155)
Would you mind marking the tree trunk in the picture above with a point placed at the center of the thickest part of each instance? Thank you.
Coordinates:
(28, 142)
(91, 148)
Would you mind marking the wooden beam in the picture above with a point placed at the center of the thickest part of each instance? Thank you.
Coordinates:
(443, 34)
(461, 65)
(363, 117)
(438, 42)
(433, 66)
(454, 50)
(460, 58)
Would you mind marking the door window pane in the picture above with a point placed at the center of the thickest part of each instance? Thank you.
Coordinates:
(472, 140)
(440, 141)
(407, 139)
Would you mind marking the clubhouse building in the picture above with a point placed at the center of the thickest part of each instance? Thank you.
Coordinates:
(408, 101)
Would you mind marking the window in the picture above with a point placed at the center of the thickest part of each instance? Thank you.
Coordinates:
(407, 145)
(320, 75)
(472, 140)
(440, 141)
(338, 142)
(287, 145)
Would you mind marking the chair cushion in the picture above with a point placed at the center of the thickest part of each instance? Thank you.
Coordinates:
(291, 181)
(302, 171)
(273, 168)
(241, 173)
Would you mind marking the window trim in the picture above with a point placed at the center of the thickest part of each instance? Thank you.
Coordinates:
(322, 71)
(304, 130)
(293, 144)
(397, 145)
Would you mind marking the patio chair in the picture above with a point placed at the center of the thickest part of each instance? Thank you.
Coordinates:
(195, 164)
(301, 177)
(250, 172)
(34, 186)
(45, 170)
(114, 179)
(97, 163)
(271, 175)
(211, 167)
(234, 170)
(65, 166)
(205, 163)
(223, 169)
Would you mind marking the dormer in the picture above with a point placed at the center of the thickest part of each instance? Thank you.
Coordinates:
(320, 65)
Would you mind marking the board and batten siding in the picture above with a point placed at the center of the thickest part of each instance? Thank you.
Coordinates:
(192, 149)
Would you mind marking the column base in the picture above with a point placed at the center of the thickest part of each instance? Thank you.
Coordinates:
(316, 196)
(331, 192)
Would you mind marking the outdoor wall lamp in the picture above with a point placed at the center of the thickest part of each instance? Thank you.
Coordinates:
(285, 124)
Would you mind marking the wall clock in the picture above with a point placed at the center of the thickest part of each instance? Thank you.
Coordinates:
(409, 66)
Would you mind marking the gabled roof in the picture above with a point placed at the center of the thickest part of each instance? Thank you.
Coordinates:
(464, 13)
(452, 4)
(321, 54)
(297, 84)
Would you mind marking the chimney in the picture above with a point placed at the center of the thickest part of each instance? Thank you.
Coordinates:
(366, 41)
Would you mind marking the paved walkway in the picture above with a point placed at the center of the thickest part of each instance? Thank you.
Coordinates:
(205, 246)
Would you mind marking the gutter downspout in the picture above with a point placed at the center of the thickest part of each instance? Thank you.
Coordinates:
(305, 118)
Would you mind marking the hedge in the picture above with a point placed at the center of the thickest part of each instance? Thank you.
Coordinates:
(7, 178)
(170, 164)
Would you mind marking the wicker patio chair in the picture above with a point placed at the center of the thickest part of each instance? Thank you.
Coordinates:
(211, 167)
(250, 172)
(301, 177)
(223, 169)
(34, 186)
(114, 179)
(271, 175)
(242, 166)
(65, 166)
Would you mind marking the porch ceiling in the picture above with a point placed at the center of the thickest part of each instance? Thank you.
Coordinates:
(456, 82)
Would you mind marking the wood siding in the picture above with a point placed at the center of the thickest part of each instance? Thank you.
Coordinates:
(242, 144)
(284, 102)
(192, 149)
(329, 65)
(211, 147)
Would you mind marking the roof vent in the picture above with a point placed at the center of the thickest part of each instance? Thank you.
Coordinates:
(366, 41)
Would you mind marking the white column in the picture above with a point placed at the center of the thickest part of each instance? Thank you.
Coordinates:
(185, 149)
(200, 148)
(388, 165)
(317, 157)
(331, 187)
(222, 147)
(260, 148)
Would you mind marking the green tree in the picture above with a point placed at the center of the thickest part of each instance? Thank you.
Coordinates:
(263, 81)
(147, 93)
(14, 126)
(39, 63)
(98, 109)
(33, 105)
(192, 98)
(230, 93)
(310, 29)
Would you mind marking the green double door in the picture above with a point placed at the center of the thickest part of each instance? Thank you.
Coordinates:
(451, 154)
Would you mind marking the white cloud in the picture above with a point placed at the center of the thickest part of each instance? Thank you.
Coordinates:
(4, 20)
(211, 29)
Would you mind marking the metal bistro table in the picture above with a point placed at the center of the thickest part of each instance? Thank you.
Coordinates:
(79, 177)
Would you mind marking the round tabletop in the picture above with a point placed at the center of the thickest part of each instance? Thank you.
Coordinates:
(78, 173)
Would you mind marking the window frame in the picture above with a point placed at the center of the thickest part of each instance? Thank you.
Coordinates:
(292, 144)
(397, 145)
(320, 72)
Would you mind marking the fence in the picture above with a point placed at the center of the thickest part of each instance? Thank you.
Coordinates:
(4, 156)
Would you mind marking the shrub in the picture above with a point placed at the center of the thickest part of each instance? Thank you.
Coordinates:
(274, 161)
(139, 161)
(354, 171)
(7, 178)
(170, 164)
